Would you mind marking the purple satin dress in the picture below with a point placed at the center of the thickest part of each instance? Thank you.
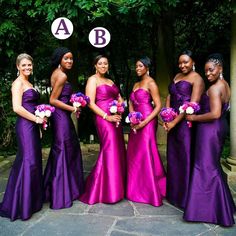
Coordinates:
(63, 176)
(146, 180)
(179, 151)
(209, 199)
(105, 184)
(24, 191)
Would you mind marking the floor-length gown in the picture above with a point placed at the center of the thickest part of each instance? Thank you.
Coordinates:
(24, 192)
(209, 199)
(63, 176)
(146, 180)
(179, 157)
(106, 182)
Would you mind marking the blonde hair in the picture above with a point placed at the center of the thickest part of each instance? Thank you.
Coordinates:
(22, 56)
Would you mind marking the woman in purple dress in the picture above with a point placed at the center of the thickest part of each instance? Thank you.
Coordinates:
(186, 86)
(63, 176)
(105, 184)
(146, 181)
(209, 198)
(24, 192)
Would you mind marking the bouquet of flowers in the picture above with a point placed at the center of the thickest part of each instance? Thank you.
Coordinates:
(116, 107)
(189, 108)
(79, 100)
(167, 114)
(134, 118)
(44, 110)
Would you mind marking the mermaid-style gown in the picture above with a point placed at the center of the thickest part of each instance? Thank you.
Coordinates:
(209, 199)
(179, 151)
(105, 184)
(146, 181)
(24, 191)
(63, 176)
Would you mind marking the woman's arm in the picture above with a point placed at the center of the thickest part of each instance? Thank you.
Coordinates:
(168, 100)
(214, 94)
(17, 94)
(56, 91)
(198, 88)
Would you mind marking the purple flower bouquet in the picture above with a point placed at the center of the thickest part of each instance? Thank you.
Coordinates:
(44, 110)
(167, 114)
(116, 107)
(189, 108)
(134, 118)
(79, 100)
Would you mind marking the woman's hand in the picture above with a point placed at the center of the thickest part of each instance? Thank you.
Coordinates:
(39, 120)
(168, 126)
(190, 117)
(139, 126)
(114, 118)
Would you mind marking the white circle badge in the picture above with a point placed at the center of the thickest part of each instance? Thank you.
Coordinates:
(62, 28)
(99, 37)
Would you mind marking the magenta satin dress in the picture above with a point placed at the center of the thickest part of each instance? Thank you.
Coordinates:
(146, 180)
(106, 182)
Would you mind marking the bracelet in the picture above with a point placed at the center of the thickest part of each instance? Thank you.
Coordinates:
(37, 120)
(104, 116)
(75, 110)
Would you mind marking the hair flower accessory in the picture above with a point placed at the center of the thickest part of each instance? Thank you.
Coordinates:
(116, 107)
(167, 114)
(44, 110)
(189, 108)
(79, 100)
(134, 118)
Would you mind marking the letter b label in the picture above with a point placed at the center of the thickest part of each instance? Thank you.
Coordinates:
(99, 37)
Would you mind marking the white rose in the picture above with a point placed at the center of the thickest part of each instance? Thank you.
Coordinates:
(113, 109)
(37, 112)
(190, 110)
(48, 113)
(41, 114)
(127, 119)
(181, 110)
(76, 104)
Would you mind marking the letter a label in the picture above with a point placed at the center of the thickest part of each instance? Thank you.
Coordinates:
(99, 37)
(62, 28)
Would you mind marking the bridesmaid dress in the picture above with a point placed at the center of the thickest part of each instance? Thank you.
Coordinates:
(179, 151)
(24, 191)
(146, 181)
(105, 184)
(209, 199)
(63, 176)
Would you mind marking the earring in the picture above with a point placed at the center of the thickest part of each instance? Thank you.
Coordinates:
(221, 75)
(32, 72)
(59, 66)
(18, 73)
(147, 72)
(193, 67)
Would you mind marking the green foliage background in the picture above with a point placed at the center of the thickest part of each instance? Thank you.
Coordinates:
(160, 29)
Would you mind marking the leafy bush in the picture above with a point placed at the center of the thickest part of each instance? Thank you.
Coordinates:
(7, 117)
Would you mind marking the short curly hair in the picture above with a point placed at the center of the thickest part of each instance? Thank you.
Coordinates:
(57, 56)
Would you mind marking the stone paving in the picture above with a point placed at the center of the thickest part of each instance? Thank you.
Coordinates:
(122, 219)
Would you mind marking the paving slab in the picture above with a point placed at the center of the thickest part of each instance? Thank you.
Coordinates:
(67, 224)
(122, 209)
(158, 226)
(165, 210)
(125, 218)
